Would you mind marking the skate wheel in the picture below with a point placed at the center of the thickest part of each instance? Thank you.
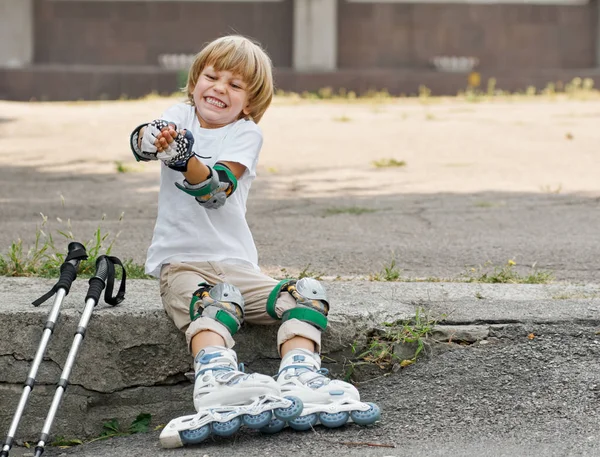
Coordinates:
(274, 426)
(195, 436)
(226, 428)
(257, 420)
(334, 420)
(304, 422)
(367, 417)
(291, 412)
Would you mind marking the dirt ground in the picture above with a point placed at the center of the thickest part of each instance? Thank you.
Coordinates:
(483, 182)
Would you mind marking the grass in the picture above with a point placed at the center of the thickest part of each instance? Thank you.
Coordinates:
(488, 204)
(388, 163)
(488, 273)
(548, 189)
(474, 92)
(305, 273)
(122, 167)
(580, 89)
(342, 119)
(507, 274)
(382, 348)
(576, 296)
(354, 210)
(110, 429)
(388, 273)
(44, 258)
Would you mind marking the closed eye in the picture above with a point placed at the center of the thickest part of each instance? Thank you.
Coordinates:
(211, 77)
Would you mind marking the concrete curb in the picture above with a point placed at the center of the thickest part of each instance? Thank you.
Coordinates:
(134, 359)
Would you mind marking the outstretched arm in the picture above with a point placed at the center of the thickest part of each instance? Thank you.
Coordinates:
(198, 172)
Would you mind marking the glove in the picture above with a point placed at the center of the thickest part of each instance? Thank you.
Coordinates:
(147, 150)
(179, 152)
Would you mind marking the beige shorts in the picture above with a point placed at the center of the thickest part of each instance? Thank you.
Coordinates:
(178, 282)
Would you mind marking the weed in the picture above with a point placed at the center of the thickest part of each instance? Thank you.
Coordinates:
(122, 167)
(389, 347)
(487, 204)
(110, 429)
(342, 118)
(547, 189)
(305, 273)
(576, 296)
(479, 296)
(44, 259)
(63, 443)
(506, 274)
(389, 273)
(356, 210)
(388, 163)
(424, 93)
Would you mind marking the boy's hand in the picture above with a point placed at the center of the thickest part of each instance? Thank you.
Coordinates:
(155, 135)
(174, 148)
(165, 137)
(145, 139)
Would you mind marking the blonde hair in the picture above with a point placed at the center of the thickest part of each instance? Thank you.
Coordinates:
(243, 57)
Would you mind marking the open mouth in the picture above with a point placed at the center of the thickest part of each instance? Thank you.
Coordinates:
(215, 102)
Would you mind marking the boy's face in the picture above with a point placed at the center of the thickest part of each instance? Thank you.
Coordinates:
(220, 97)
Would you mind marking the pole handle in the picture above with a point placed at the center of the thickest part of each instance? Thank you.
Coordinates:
(68, 271)
(105, 277)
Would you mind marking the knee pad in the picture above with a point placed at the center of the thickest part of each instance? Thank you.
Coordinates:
(223, 302)
(312, 305)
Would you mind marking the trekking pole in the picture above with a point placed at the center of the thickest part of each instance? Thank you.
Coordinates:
(105, 277)
(68, 273)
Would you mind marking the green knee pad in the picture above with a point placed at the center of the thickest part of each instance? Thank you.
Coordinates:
(223, 303)
(312, 305)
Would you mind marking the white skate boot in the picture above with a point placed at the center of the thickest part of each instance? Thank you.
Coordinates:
(225, 398)
(330, 402)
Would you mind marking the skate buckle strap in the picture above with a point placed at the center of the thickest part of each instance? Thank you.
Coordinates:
(213, 369)
(320, 371)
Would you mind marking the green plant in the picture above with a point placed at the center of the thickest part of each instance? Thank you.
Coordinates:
(44, 258)
(382, 349)
(182, 78)
(506, 274)
(342, 118)
(388, 273)
(547, 189)
(306, 273)
(355, 210)
(110, 429)
(388, 163)
(122, 167)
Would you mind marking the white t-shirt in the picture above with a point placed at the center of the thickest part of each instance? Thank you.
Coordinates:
(184, 230)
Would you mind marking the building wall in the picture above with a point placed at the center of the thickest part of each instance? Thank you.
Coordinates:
(381, 35)
(136, 33)
(402, 35)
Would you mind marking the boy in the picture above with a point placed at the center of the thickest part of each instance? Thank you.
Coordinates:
(205, 256)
